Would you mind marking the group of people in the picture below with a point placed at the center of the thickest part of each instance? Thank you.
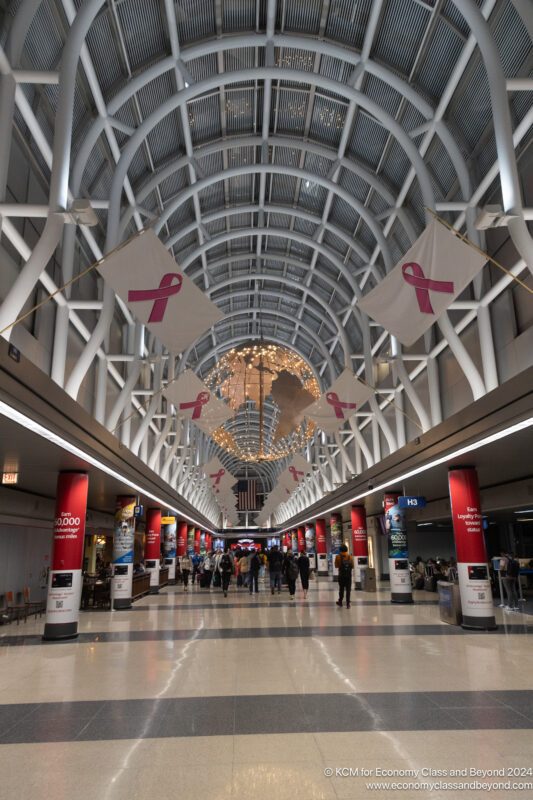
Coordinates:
(217, 568)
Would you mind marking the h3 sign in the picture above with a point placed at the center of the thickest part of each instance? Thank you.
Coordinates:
(412, 502)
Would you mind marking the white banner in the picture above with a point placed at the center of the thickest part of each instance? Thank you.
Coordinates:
(344, 396)
(159, 293)
(437, 268)
(194, 401)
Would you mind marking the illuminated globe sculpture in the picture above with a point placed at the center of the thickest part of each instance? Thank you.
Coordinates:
(267, 386)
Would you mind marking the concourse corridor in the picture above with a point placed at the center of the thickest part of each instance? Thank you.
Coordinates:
(194, 695)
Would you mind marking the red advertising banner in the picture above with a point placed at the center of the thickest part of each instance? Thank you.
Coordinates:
(197, 540)
(320, 529)
(181, 539)
(152, 548)
(466, 513)
(301, 538)
(69, 522)
(359, 531)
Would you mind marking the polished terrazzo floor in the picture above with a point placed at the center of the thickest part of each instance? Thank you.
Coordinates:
(193, 695)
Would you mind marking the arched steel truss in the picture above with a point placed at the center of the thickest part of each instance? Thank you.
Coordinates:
(309, 302)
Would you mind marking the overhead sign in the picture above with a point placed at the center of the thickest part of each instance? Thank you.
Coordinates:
(412, 502)
(168, 520)
(138, 511)
(10, 478)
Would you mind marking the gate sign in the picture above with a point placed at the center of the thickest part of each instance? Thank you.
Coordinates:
(412, 502)
(138, 511)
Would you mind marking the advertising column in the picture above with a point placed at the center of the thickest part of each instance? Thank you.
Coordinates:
(359, 542)
(396, 526)
(301, 538)
(168, 534)
(310, 545)
(197, 540)
(336, 540)
(181, 539)
(123, 540)
(190, 539)
(472, 569)
(152, 551)
(321, 552)
(294, 541)
(65, 580)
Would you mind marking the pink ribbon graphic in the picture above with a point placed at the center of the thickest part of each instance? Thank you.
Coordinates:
(218, 476)
(423, 285)
(159, 296)
(197, 404)
(295, 473)
(338, 405)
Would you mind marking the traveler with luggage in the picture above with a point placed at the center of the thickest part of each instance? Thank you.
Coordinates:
(207, 574)
(254, 565)
(186, 569)
(344, 564)
(291, 572)
(275, 563)
(243, 568)
(226, 570)
(303, 568)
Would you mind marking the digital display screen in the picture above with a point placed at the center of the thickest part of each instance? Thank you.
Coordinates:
(401, 564)
(478, 573)
(362, 561)
(150, 565)
(121, 569)
(168, 561)
(62, 580)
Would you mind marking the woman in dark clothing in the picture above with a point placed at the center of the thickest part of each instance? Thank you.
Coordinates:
(303, 566)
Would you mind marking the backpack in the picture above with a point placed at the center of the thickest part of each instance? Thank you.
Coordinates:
(345, 568)
(513, 568)
(292, 569)
(225, 563)
(255, 563)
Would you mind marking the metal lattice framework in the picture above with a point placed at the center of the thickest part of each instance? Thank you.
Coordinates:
(284, 152)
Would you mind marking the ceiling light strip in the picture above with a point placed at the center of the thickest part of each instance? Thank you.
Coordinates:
(519, 426)
(35, 427)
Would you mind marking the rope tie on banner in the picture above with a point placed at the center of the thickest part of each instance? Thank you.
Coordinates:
(479, 250)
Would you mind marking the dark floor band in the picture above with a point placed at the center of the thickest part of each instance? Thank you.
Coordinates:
(260, 714)
(217, 606)
(295, 632)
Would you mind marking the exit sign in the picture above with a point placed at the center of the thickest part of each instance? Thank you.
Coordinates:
(412, 502)
(10, 478)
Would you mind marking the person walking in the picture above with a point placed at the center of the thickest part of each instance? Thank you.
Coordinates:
(243, 568)
(186, 569)
(226, 570)
(511, 582)
(254, 565)
(291, 571)
(209, 565)
(275, 563)
(196, 564)
(344, 563)
(303, 568)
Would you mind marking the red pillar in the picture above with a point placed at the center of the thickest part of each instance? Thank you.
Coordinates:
(208, 542)
(66, 580)
(197, 539)
(400, 577)
(181, 540)
(320, 528)
(472, 568)
(359, 542)
(301, 538)
(152, 550)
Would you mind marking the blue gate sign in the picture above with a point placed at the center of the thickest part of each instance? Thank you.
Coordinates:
(412, 502)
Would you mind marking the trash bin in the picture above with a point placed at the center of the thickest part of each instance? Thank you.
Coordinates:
(368, 579)
(450, 603)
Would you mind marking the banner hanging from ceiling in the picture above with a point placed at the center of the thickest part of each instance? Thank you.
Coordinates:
(437, 268)
(344, 397)
(146, 277)
(194, 401)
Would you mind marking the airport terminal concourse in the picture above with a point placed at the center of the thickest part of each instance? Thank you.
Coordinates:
(266, 399)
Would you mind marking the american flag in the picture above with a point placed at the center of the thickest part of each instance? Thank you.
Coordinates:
(247, 495)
